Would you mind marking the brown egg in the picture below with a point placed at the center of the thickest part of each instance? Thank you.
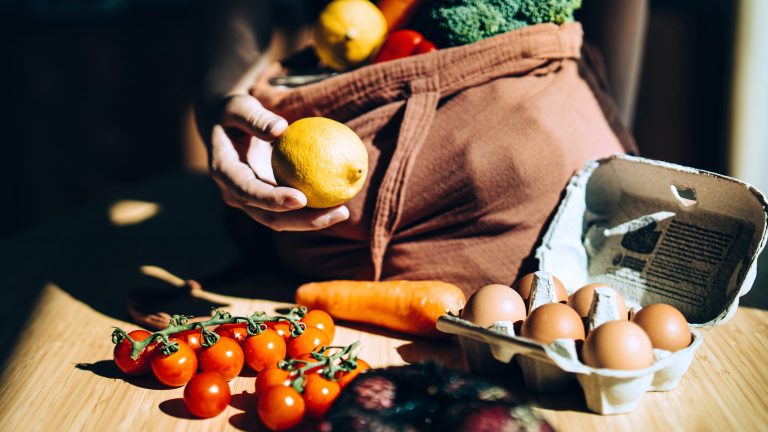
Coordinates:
(493, 303)
(618, 345)
(581, 300)
(524, 284)
(665, 325)
(553, 321)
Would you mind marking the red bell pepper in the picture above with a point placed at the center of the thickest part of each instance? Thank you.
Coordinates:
(403, 43)
(424, 47)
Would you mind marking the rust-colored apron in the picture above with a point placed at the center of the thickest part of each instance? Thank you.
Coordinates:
(470, 149)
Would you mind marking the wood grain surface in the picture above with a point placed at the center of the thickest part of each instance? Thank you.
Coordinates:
(61, 377)
(65, 284)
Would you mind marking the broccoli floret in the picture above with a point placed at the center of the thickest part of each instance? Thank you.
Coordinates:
(543, 11)
(460, 22)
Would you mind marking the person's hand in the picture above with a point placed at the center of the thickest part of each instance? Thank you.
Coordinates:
(239, 155)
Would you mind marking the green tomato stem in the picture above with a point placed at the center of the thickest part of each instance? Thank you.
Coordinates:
(347, 363)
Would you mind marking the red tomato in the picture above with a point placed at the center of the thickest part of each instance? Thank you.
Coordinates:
(176, 369)
(263, 350)
(319, 394)
(236, 331)
(207, 395)
(281, 408)
(122, 354)
(283, 328)
(307, 342)
(320, 319)
(349, 376)
(192, 338)
(271, 377)
(225, 357)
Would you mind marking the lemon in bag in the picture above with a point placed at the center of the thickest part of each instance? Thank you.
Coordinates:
(348, 33)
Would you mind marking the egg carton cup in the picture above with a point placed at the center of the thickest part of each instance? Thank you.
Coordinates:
(657, 233)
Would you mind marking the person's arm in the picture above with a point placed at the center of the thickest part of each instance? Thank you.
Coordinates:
(237, 129)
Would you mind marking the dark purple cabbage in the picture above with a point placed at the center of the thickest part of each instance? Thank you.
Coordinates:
(427, 397)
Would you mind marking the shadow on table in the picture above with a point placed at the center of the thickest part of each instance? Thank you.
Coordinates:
(107, 369)
(249, 421)
(414, 349)
(96, 260)
(569, 399)
(244, 400)
(444, 351)
(176, 408)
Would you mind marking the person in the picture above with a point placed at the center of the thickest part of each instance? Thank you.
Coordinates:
(237, 129)
(414, 232)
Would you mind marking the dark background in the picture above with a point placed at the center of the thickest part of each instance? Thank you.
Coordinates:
(96, 95)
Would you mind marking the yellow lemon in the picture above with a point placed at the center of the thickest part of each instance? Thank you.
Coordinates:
(322, 158)
(348, 33)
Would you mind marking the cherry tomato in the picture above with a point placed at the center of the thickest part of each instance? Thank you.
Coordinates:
(283, 328)
(307, 342)
(320, 319)
(236, 331)
(176, 369)
(122, 354)
(349, 376)
(225, 357)
(271, 377)
(319, 394)
(192, 338)
(263, 350)
(207, 394)
(281, 408)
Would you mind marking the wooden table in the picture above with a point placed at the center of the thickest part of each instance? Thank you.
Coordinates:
(64, 286)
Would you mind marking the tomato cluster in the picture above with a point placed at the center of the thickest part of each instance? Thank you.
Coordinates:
(298, 374)
(306, 385)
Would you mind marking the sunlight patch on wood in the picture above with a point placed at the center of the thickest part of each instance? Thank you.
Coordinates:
(132, 212)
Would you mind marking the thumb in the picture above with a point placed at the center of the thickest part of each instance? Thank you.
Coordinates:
(246, 113)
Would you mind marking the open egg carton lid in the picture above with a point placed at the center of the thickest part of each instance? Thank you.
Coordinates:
(657, 233)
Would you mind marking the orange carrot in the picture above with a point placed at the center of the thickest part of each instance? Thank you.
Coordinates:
(406, 306)
(398, 12)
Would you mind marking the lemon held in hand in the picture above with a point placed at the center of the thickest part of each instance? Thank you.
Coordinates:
(323, 158)
(348, 33)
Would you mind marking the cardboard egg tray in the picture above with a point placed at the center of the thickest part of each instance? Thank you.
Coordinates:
(657, 233)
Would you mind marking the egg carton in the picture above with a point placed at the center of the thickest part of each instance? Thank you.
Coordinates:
(657, 233)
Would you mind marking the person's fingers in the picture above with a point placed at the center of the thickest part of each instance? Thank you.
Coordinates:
(228, 198)
(299, 220)
(246, 113)
(238, 179)
(241, 182)
(259, 157)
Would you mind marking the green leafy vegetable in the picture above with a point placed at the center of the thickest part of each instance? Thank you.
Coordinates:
(460, 22)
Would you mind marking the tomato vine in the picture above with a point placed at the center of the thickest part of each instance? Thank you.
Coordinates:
(256, 323)
(331, 366)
